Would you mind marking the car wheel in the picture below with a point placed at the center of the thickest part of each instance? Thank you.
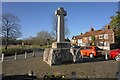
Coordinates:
(91, 56)
(117, 58)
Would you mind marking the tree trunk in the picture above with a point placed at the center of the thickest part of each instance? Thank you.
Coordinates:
(6, 44)
(5, 47)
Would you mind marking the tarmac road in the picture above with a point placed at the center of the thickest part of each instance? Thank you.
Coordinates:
(88, 68)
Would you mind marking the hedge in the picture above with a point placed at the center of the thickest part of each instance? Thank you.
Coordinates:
(12, 51)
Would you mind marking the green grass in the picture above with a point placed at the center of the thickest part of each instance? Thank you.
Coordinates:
(12, 49)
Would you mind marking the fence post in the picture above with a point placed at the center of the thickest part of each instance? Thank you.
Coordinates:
(25, 54)
(106, 56)
(2, 57)
(15, 56)
(33, 54)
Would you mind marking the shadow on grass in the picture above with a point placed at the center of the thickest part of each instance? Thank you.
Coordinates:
(19, 77)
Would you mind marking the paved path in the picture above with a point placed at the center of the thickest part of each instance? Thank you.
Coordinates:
(100, 69)
(92, 68)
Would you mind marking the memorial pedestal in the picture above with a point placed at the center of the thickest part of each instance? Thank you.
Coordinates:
(61, 45)
(56, 56)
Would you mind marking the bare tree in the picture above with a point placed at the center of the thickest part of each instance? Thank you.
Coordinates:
(10, 27)
(44, 37)
(54, 27)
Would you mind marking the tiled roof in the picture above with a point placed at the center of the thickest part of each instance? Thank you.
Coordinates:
(96, 32)
(78, 37)
(91, 33)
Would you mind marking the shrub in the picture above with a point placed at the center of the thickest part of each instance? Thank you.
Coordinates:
(12, 51)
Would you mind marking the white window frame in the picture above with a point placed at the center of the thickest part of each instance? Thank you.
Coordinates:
(85, 38)
(106, 44)
(101, 36)
(105, 36)
(101, 43)
(90, 38)
(79, 40)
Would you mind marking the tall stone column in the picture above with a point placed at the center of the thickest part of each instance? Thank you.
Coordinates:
(60, 13)
(60, 51)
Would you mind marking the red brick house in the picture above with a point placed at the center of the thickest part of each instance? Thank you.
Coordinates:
(100, 38)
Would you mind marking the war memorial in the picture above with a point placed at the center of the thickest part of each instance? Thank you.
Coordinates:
(61, 51)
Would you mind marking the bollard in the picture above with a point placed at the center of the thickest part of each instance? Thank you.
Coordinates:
(2, 57)
(15, 56)
(33, 54)
(25, 54)
(106, 56)
(31, 74)
(73, 76)
(118, 75)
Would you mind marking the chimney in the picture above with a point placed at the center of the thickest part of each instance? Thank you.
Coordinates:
(107, 26)
(81, 33)
(91, 29)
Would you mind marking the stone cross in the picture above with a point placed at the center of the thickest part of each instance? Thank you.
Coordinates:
(60, 13)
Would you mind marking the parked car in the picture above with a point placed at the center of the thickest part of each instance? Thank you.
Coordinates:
(115, 54)
(90, 51)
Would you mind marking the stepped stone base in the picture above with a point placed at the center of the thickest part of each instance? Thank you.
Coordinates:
(61, 45)
(56, 56)
(59, 53)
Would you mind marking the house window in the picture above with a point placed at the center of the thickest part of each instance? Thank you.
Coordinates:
(73, 41)
(101, 36)
(106, 44)
(85, 38)
(79, 40)
(74, 37)
(90, 38)
(101, 44)
(105, 36)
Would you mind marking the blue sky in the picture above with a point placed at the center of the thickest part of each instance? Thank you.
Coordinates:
(37, 16)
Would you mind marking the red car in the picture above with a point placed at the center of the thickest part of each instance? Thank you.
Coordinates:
(115, 54)
(90, 51)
